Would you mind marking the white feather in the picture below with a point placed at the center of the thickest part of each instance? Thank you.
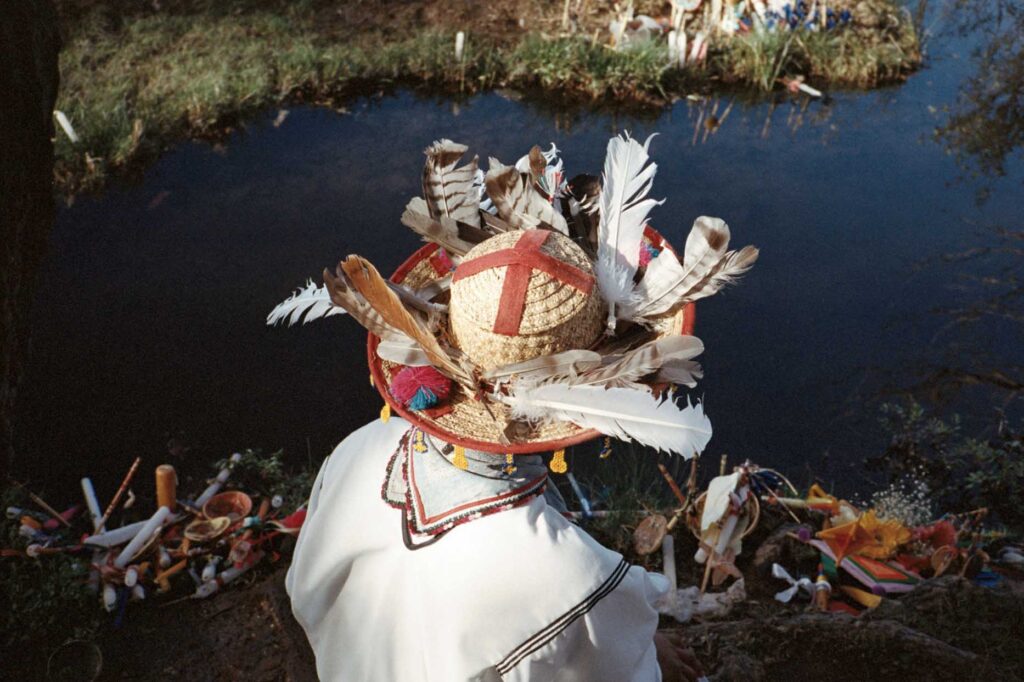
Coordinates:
(707, 266)
(485, 201)
(312, 300)
(403, 351)
(623, 413)
(667, 358)
(624, 209)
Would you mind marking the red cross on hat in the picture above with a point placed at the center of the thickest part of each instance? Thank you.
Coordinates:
(521, 260)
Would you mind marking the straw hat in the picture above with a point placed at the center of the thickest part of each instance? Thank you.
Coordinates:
(523, 328)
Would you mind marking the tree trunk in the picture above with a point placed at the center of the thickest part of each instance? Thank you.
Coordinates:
(29, 43)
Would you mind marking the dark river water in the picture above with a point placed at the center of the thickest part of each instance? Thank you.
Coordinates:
(149, 323)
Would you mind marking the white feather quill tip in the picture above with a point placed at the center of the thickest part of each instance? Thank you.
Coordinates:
(312, 300)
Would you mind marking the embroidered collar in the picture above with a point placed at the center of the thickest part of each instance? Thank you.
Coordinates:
(436, 495)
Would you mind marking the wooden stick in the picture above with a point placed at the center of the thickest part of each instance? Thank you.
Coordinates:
(120, 491)
(779, 502)
(672, 484)
(707, 570)
(42, 503)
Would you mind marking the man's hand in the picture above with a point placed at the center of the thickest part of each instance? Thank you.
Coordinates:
(677, 662)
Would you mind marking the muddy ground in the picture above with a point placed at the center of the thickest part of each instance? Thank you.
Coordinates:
(946, 629)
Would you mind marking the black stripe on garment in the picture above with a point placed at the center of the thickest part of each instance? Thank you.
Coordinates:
(562, 622)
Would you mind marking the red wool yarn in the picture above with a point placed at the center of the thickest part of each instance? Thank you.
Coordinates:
(420, 387)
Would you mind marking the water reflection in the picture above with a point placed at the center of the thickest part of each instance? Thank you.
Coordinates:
(985, 125)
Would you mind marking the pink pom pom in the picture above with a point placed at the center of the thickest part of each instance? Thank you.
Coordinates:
(420, 387)
(648, 250)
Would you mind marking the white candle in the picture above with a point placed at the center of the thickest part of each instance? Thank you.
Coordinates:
(460, 43)
(226, 576)
(222, 477)
(109, 597)
(92, 503)
(725, 534)
(131, 577)
(115, 537)
(142, 537)
(668, 558)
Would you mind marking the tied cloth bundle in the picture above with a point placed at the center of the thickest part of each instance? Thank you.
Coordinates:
(786, 595)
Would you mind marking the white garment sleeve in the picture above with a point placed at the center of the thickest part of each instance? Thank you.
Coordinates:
(611, 641)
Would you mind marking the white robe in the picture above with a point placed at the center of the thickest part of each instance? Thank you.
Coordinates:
(519, 595)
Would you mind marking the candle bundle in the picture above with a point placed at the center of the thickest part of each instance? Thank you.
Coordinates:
(213, 538)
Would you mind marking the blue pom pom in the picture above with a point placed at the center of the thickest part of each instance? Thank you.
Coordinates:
(423, 399)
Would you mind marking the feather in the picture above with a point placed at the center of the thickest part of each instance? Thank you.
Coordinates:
(368, 282)
(537, 163)
(403, 352)
(707, 267)
(582, 212)
(448, 190)
(312, 300)
(414, 300)
(495, 224)
(344, 295)
(442, 230)
(619, 412)
(624, 209)
(545, 171)
(628, 369)
(517, 201)
(680, 372)
(435, 288)
(546, 367)
(486, 205)
(734, 265)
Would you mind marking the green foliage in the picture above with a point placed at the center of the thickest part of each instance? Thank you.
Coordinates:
(850, 58)
(626, 483)
(962, 472)
(267, 475)
(577, 64)
(43, 601)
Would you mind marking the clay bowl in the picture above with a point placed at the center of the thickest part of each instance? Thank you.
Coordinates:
(207, 530)
(233, 504)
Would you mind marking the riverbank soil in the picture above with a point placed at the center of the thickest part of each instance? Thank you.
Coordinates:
(947, 629)
(139, 77)
(245, 633)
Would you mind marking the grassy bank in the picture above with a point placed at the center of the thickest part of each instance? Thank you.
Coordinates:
(134, 82)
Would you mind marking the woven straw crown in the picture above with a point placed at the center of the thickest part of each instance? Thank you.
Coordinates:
(523, 294)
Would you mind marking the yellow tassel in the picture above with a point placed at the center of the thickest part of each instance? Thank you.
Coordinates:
(459, 459)
(606, 450)
(558, 464)
(510, 467)
(385, 413)
(371, 381)
(420, 445)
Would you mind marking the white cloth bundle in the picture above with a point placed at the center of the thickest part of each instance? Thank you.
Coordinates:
(786, 595)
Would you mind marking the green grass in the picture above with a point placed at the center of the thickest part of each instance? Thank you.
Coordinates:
(134, 83)
(840, 58)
